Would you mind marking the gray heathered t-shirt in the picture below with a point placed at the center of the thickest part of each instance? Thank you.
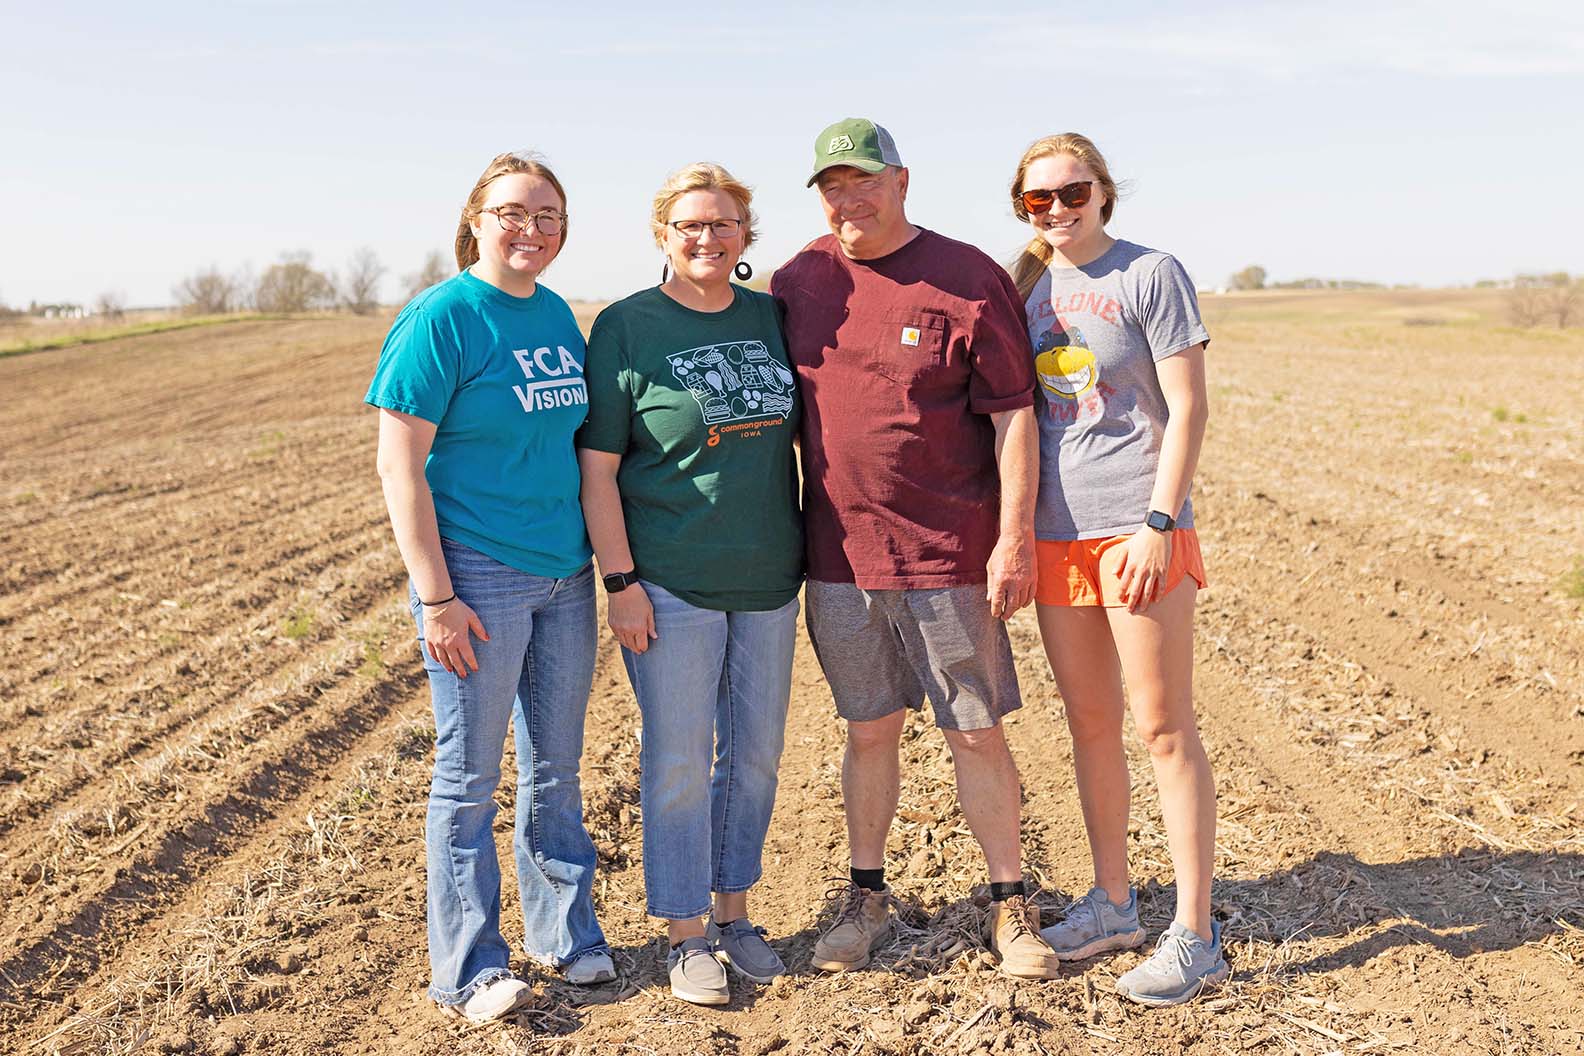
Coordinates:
(1098, 332)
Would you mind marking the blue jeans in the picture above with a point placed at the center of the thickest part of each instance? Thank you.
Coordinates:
(536, 672)
(713, 688)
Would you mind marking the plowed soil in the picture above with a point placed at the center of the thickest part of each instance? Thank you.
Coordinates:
(215, 733)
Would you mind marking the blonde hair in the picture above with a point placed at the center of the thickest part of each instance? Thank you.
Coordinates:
(1037, 255)
(702, 176)
(502, 165)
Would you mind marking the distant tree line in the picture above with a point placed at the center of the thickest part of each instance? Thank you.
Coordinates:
(1254, 277)
(53, 310)
(1326, 284)
(293, 284)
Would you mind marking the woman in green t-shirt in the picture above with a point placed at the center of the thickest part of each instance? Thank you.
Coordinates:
(690, 494)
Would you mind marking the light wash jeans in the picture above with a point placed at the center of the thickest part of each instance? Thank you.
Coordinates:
(535, 672)
(712, 688)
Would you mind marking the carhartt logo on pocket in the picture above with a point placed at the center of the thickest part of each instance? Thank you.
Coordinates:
(842, 142)
(910, 335)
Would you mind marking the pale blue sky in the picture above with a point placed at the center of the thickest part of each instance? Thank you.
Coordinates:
(1431, 143)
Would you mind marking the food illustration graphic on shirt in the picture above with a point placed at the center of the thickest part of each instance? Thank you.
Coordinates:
(734, 380)
(1064, 363)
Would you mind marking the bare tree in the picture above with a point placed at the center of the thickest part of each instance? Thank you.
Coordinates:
(206, 293)
(293, 286)
(1250, 278)
(360, 282)
(1535, 299)
(434, 271)
(111, 305)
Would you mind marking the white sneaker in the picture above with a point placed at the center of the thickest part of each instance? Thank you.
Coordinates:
(1094, 924)
(591, 969)
(492, 1001)
(1182, 965)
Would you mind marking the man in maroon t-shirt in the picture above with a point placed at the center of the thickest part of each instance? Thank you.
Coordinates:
(920, 465)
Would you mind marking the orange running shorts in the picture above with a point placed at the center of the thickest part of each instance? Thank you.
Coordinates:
(1086, 571)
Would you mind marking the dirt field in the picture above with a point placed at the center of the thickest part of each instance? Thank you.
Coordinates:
(215, 745)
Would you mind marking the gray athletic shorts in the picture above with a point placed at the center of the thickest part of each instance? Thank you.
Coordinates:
(883, 650)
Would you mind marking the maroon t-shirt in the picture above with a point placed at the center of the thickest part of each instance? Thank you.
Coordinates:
(900, 360)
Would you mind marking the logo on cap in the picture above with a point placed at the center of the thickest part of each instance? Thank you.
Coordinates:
(837, 143)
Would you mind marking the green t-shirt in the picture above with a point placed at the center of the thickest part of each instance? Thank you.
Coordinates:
(702, 407)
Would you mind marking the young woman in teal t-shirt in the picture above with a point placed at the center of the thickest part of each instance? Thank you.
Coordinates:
(480, 389)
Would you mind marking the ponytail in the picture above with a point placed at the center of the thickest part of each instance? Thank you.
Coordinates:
(1030, 265)
(466, 245)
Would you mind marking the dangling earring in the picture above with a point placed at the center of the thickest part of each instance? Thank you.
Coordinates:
(743, 271)
(665, 271)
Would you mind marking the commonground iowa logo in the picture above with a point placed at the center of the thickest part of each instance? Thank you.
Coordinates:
(734, 381)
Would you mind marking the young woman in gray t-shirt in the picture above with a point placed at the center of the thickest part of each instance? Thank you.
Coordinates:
(1119, 354)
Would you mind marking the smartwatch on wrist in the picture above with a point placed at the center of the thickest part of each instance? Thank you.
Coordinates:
(1159, 521)
(617, 582)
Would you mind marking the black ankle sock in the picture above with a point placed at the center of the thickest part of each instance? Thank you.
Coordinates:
(869, 879)
(1000, 892)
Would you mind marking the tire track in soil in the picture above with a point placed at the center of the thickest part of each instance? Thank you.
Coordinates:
(172, 383)
(196, 583)
(1371, 875)
(1394, 625)
(369, 996)
(253, 518)
(96, 1011)
(242, 510)
(203, 720)
(44, 559)
(115, 619)
(72, 746)
(333, 717)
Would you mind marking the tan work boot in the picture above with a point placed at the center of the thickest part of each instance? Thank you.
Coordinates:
(863, 922)
(1015, 940)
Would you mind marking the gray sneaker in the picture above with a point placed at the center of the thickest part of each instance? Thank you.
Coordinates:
(696, 975)
(1094, 924)
(1182, 965)
(742, 946)
(591, 969)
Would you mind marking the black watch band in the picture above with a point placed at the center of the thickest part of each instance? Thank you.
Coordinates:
(1159, 521)
(617, 582)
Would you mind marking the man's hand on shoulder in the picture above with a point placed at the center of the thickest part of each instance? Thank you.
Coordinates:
(1011, 574)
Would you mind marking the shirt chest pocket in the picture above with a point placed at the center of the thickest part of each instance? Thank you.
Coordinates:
(911, 347)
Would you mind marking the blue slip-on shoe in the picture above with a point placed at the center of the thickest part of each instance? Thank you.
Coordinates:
(743, 947)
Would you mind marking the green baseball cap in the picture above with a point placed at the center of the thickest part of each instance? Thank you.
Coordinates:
(854, 141)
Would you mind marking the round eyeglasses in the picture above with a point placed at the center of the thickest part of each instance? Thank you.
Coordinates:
(514, 220)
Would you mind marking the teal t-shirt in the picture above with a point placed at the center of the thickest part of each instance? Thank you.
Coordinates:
(702, 407)
(501, 377)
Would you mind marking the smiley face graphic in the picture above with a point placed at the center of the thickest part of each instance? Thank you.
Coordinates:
(1064, 364)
